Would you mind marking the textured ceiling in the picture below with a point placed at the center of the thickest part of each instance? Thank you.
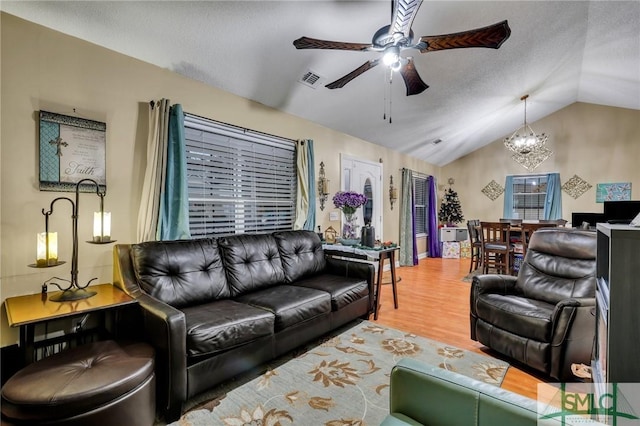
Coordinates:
(559, 52)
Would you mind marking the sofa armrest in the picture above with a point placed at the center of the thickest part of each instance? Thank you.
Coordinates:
(493, 283)
(164, 327)
(573, 332)
(485, 284)
(427, 394)
(354, 269)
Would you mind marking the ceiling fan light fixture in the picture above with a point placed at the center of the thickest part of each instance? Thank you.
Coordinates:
(391, 56)
(524, 140)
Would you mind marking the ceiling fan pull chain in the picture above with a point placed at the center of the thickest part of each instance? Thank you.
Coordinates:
(384, 77)
(390, 95)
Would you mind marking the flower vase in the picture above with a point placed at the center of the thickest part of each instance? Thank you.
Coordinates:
(350, 229)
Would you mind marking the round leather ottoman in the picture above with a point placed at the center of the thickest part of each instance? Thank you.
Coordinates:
(101, 383)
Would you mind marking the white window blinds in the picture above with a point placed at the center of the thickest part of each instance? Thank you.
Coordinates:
(421, 204)
(529, 193)
(239, 181)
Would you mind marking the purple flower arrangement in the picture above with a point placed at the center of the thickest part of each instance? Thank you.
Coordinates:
(348, 201)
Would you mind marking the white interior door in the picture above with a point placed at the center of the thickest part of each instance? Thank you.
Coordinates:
(364, 177)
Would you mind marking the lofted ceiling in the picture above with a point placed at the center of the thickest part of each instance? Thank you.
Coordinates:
(559, 52)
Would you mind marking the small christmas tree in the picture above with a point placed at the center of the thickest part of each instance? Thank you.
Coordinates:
(450, 210)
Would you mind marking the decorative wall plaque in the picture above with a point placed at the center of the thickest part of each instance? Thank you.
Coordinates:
(493, 190)
(576, 186)
(71, 149)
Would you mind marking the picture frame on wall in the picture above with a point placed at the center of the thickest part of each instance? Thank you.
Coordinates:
(620, 191)
(71, 149)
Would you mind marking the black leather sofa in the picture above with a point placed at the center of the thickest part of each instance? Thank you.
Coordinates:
(544, 317)
(213, 308)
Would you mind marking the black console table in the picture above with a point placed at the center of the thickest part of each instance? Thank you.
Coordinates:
(371, 255)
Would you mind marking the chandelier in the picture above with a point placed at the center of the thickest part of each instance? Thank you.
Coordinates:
(524, 140)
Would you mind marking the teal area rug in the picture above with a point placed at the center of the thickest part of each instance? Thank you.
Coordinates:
(341, 380)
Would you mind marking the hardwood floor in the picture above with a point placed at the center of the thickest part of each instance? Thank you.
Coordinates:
(433, 302)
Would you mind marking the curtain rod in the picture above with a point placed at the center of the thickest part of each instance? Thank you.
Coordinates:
(416, 174)
(243, 129)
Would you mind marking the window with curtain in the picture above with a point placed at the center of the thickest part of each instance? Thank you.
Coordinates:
(239, 181)
(421, 204)
(529, 194)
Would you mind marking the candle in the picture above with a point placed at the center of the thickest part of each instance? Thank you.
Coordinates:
(47, 249)
(101, 226)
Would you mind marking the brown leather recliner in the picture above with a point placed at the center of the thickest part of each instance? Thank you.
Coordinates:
(544, 317)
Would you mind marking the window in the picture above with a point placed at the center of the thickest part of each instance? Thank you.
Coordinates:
(529, 193)
(239, 181)
(421, 203)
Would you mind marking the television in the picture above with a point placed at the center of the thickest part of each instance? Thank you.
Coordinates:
(591, 218)
(621, 211)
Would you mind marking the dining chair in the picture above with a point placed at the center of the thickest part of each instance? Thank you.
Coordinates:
(473, 226)
(527, 229)
(496, 247)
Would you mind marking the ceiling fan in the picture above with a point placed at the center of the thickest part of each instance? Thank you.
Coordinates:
(397, 37)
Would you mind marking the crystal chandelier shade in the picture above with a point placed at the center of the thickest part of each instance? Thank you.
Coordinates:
(524, 140)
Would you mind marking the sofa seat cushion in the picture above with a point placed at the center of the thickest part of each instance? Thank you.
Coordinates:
(290, 304)
(224, 324)
(525, 317)
(343, 290)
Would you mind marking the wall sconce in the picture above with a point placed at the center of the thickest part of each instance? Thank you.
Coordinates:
(393, 192)
(323, 186)
(47, 250)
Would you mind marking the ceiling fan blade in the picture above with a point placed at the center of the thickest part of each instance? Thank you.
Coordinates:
(412, 79)
(404, 11)
(314, 43)
(492, 36)
(353, 74)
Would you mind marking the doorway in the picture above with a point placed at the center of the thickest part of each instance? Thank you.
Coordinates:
(364, 177)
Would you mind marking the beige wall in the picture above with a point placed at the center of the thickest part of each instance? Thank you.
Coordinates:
(598, 143)
(45, 70)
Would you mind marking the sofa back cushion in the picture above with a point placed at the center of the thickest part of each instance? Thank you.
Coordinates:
(180, 273)
(301, 254)
(560, 263)
(251, 262)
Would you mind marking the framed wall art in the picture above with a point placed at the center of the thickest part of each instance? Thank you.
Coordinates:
(71, 149)
(613, 192)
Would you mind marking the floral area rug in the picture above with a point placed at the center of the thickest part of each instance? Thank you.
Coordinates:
(341, 380)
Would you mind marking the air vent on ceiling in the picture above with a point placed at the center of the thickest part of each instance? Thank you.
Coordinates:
(311, 79)
(437, 141)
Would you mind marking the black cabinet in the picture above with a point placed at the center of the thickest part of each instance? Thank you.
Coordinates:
(617, 312)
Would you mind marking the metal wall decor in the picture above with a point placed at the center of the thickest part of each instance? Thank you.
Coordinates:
(323, 186)
(393, 192)
(493, 190)
(576, 186)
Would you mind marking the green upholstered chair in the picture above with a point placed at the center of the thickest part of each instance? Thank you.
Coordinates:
(424, 394)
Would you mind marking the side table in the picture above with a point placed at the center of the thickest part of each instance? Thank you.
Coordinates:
(371, 255)
(29, 310)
